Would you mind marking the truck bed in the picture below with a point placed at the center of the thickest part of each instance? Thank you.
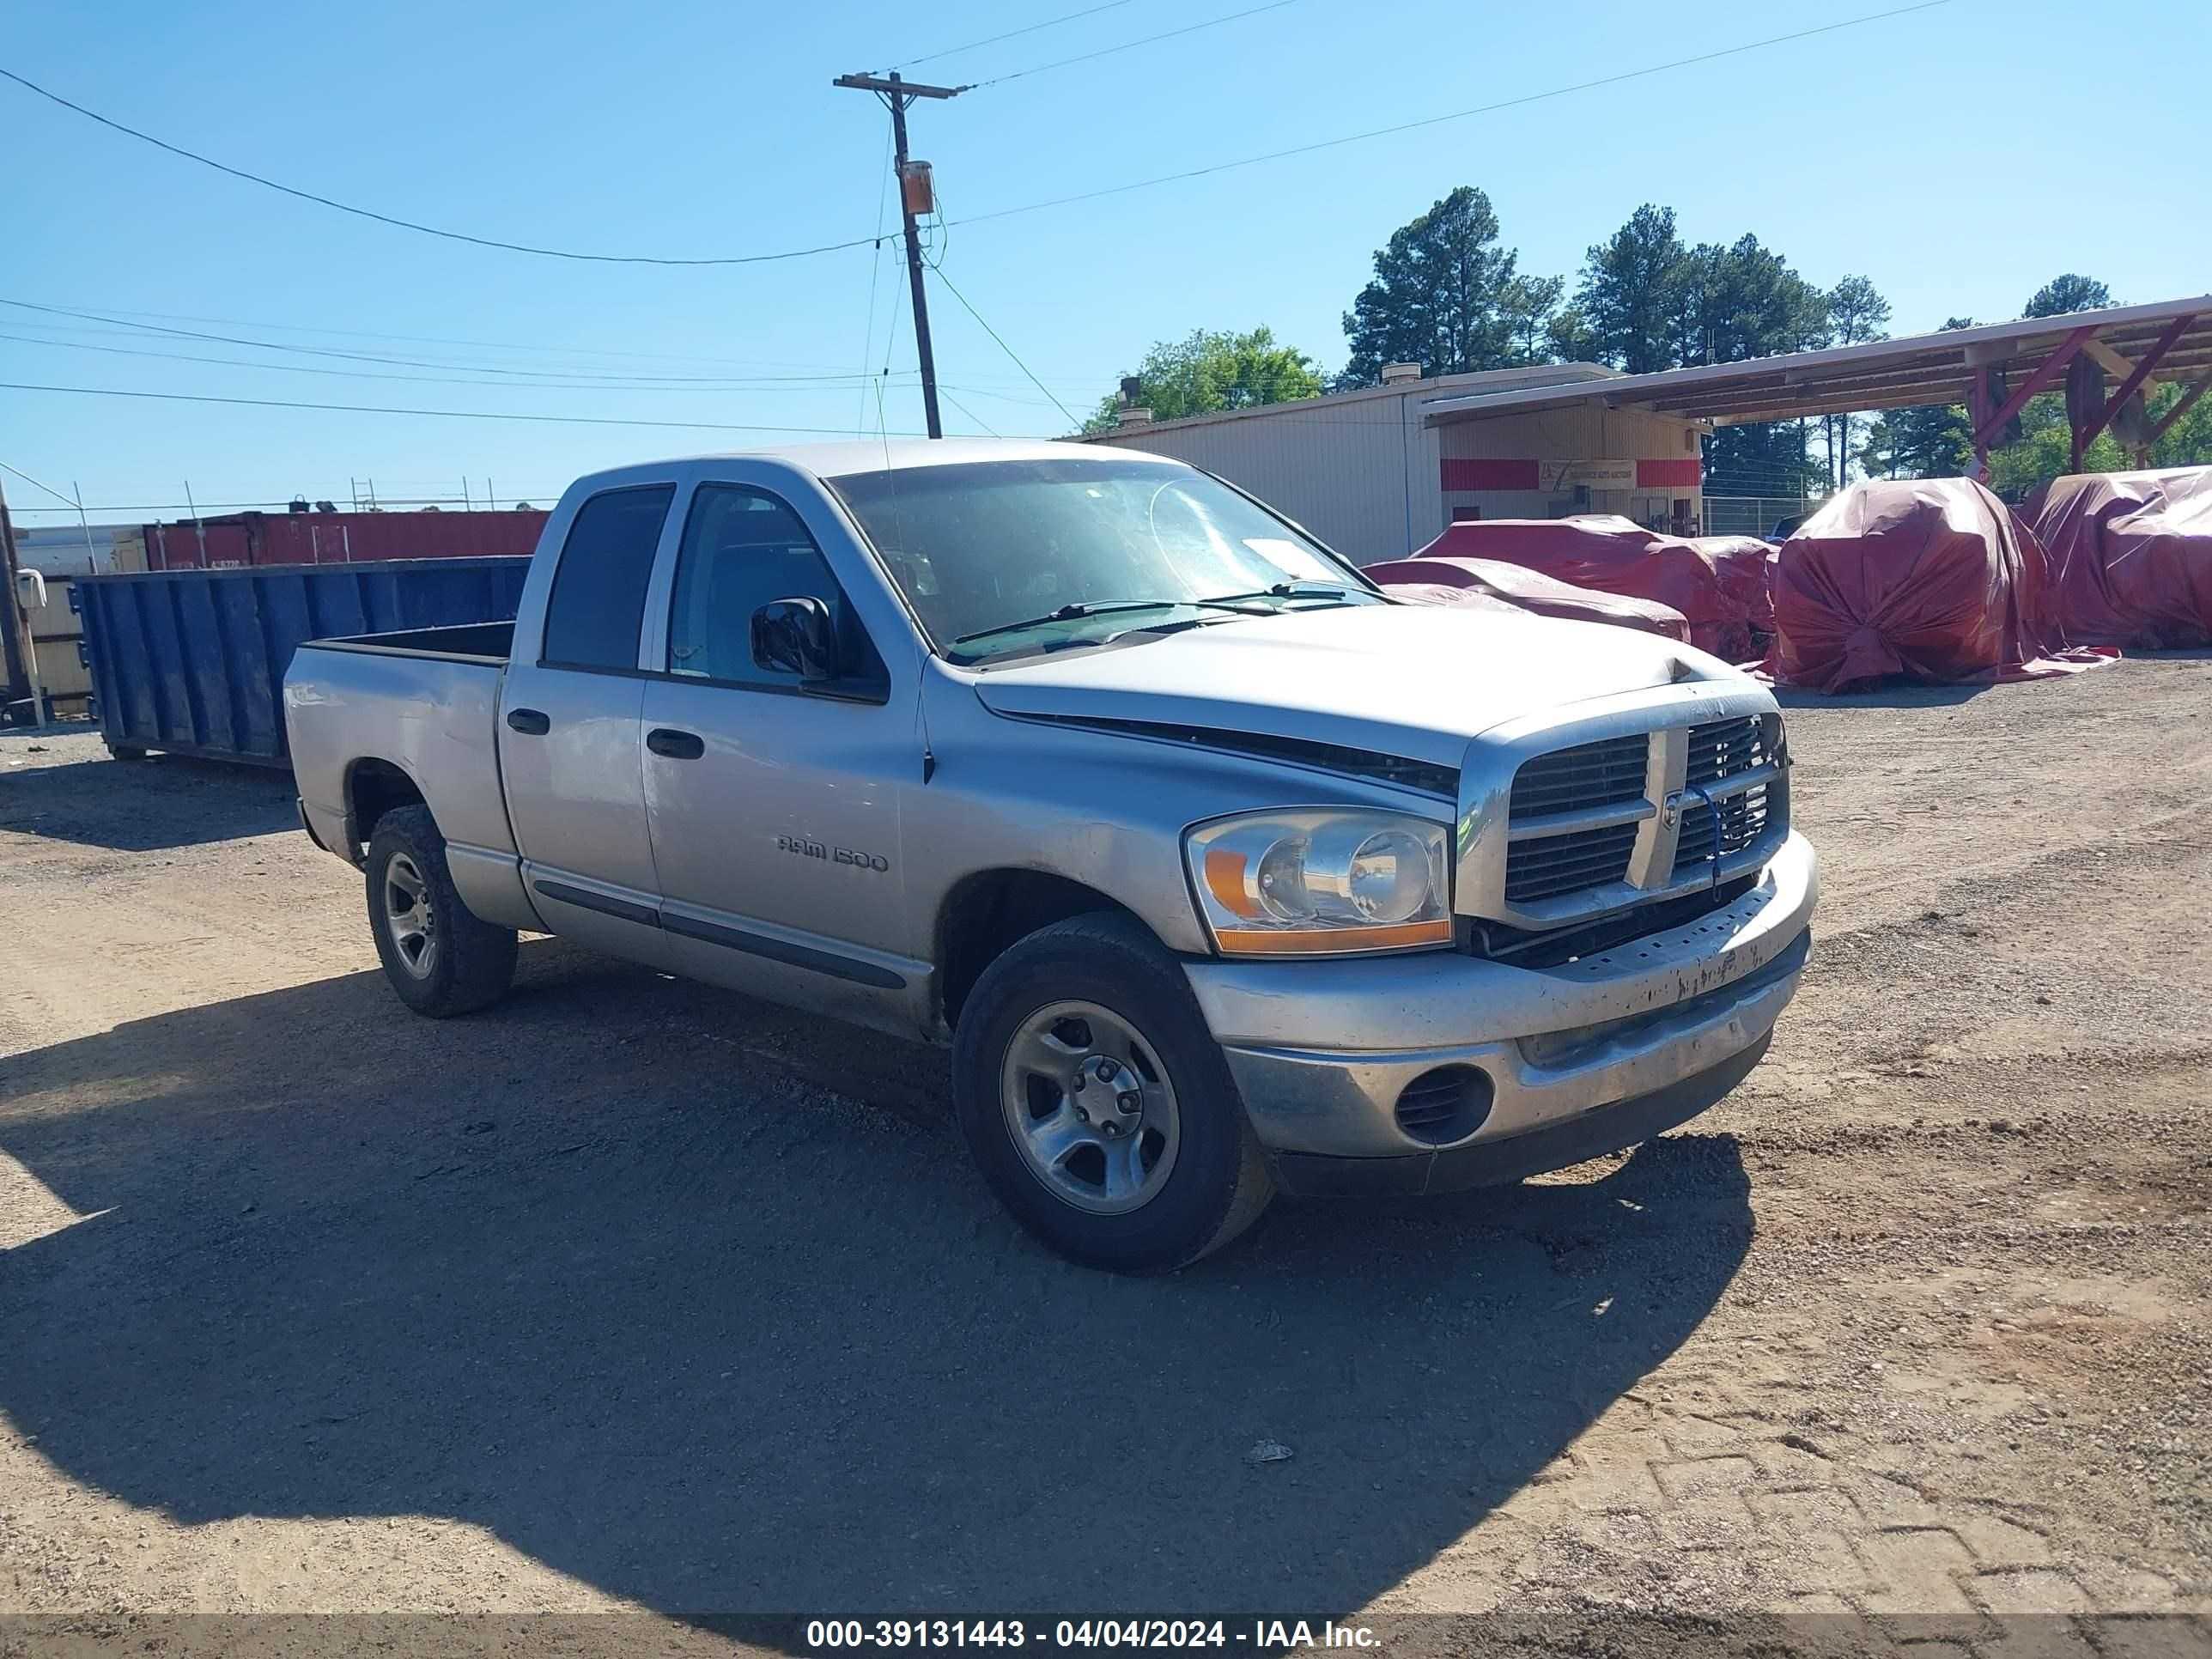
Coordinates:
(479, 642)
(423, 702)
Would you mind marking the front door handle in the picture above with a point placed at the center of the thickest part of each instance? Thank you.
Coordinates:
(529, 722)
(676, 746)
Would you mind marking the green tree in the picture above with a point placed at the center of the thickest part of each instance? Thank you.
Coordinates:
(1732, 304)
(1569, 337)
(1210, 370)
(2046, 448)
(1443, 295)
(1933, 440)
(1529, 306)
(1856, 314)
(1626, 298)
(2188, 442)
(2070, 292)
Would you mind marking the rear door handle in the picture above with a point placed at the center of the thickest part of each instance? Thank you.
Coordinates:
(529, 722)
(676, 746)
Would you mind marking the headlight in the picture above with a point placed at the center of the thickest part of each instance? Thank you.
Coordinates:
(1316, 883)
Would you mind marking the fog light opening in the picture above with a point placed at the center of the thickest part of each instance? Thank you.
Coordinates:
(1445, 1104)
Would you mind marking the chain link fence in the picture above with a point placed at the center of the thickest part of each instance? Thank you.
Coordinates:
(1751, 515)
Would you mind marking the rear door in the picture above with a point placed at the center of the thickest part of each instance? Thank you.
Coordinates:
(570, 741)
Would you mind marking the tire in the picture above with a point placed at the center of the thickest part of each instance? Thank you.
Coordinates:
(1176, 1180)
(441, 959)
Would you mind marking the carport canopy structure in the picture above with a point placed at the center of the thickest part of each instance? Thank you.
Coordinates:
(2104, 361)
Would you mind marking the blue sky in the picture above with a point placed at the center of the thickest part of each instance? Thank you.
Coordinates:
(1955, 156)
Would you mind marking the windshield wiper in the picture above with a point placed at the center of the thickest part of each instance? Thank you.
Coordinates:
(1302, 589)
(1100, 608)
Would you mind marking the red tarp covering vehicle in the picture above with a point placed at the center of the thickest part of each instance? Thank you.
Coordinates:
(1453, 580)
(2130, 556)
(1929, 578)
(1718, 584)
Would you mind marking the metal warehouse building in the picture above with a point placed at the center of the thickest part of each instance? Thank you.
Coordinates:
(1380, 471)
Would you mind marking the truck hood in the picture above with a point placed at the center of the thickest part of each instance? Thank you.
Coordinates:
(1415, 680)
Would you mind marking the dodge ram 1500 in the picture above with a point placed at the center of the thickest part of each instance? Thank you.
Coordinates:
(1219, 871)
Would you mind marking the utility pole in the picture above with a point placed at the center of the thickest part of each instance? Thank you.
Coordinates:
(914, 190)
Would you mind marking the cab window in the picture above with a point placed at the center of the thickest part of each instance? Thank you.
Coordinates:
(597, 602)
(743, 547)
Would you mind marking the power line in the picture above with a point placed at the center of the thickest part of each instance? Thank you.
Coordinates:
(1620, 78)
(1456, 115)
(969, 412)
(444, 414)
(35, 485)
(122, 313)
(827, 378)
(1128, 45)
(650, 381)
(993, 40)
(409, 224)
(830, 383)
(863, 378)
(1002, 345)
(875, 276)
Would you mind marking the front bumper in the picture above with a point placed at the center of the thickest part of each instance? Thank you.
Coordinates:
(1321, 1050)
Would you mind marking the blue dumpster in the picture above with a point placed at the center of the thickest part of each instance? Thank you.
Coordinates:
(193, 661)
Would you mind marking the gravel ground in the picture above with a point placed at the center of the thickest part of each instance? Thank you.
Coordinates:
(630, 1294)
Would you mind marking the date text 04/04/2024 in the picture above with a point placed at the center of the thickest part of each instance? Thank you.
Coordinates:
(1260, 1635)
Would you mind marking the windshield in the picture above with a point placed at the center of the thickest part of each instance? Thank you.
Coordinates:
(1005, 558)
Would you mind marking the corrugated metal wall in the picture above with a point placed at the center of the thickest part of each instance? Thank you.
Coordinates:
(193, 661)
(1360, 474)
(1367, 475)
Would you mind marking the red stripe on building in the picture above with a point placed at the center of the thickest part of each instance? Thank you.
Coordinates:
(1489, 475)
(1668, 474)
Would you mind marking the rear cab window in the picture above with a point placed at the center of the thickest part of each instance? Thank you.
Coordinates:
(597, 602)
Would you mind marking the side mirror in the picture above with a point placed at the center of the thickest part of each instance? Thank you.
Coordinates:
(796, 637)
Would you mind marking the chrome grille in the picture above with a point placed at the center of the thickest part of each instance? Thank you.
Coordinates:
(1568, 864)
(1589, 774)
(1719, 750)
(1610, 772)
(1560, 838)
(1723, 748)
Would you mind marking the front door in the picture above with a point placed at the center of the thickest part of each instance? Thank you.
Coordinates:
(774, 803)
(570, 737)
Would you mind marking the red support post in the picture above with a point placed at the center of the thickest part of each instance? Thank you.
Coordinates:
(2148, 361)
(2045, 372)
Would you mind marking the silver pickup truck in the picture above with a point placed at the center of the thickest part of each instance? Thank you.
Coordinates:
(1219, 871)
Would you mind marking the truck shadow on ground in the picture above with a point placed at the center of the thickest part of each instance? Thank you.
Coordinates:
(147, 805)
(596, 1272)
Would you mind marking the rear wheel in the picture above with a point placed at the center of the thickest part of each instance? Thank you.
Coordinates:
(1098, 1104)
(441, 959)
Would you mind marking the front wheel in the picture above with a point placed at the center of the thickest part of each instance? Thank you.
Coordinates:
(1098, 1104)
(441, 958)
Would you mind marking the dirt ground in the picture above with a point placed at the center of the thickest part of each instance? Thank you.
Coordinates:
(630, 1294)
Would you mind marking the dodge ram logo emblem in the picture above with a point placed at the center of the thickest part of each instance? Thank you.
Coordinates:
(1670, 813)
